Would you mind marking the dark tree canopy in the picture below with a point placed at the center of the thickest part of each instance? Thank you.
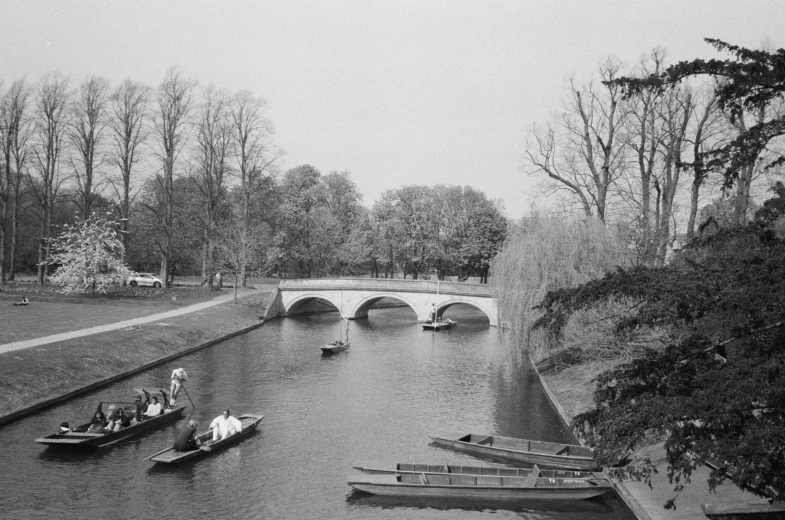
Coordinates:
(718, 392)
(748, 81)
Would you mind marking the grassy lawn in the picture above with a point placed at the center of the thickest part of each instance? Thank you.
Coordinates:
(33, 375)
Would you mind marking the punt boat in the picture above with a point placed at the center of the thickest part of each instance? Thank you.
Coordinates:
(437, 325)
(757, 510)
(551, 454)
(170, 456)
(335, 346)
(79, 437)
(477, 487)
(380, 468)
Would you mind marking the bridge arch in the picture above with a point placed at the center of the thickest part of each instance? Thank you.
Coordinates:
(454, 300)
(297, 304)
(361, 308)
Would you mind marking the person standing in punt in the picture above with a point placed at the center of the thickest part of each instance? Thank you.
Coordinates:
(178, 378)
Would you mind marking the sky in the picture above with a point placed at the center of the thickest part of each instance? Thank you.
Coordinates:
(396, 92)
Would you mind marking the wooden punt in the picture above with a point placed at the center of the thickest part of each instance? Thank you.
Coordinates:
(170, 456)
(79, 437)
(334, 347)
(476, 487)
(437, 325)
(760, 510)
(551, 454)
(379, 468)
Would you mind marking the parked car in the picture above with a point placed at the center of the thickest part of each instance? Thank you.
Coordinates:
(144, 279)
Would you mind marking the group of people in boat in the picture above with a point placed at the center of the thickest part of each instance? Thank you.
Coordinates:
(117, 418)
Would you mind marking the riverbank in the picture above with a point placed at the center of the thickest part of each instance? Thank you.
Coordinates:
(571, 389)
(39, 376)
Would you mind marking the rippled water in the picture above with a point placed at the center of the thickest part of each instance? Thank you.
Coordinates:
(375, 402)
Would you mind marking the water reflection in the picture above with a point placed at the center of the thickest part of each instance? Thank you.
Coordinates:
(376, 401)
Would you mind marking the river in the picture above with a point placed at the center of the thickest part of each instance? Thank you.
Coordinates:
(375, 402)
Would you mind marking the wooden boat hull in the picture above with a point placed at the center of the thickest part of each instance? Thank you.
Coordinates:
(437, 326)
(377, 468)
(170, 456)
(744, 511)
(556, 455)
(468, 487)
(333, 349)
(81, 440)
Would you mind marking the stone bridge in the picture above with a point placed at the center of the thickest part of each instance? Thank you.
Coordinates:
(353, 297)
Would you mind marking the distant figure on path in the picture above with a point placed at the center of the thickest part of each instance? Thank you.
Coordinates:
(23, 302)
(178, 378)
(218, 279)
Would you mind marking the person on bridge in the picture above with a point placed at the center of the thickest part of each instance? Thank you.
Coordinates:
(225, 425)
(178, 378)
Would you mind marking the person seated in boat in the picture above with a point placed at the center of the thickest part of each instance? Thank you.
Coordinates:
(64, 428)
(187, 440)
(98, 423)
(22, 303)
(153, 409)
(121, 421)
(225, 425)
(141, 408)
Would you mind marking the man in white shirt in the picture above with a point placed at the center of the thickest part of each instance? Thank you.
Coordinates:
(225, 425)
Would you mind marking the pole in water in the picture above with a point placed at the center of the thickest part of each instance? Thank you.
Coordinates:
(182, 385)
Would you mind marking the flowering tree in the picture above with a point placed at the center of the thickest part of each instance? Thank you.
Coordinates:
(89, 255)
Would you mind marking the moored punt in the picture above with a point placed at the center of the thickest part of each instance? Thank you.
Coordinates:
(471, 487)
(79, 437)
(170, 456)
(761, 510)
(437, 325)
(455, 469)
(334, 347)
(567, 456)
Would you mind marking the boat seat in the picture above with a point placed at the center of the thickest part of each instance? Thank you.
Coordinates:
(530, 481)
(564, 450)
(487, 441)
(424, 479)
(535, 471)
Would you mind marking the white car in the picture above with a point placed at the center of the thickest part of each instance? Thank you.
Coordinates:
(144, 279)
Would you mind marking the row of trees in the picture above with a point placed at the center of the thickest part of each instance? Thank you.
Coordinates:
(624, 149)
(190, 177)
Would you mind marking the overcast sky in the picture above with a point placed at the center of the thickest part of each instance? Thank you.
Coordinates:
(396, 92)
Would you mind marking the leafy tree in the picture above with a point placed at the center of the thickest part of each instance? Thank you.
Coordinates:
(716, 394)
(89, 256)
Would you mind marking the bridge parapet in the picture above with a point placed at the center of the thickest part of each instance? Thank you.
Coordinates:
(353, 297)
(386, 285)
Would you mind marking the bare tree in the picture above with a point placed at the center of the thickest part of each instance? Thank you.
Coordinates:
(88, 121)
(705, 130)
(253, 152)
(51, 119)
(213, 135)
(585, 155)
(128, 125)
(675, 112)
(20, 129)
(174, 97)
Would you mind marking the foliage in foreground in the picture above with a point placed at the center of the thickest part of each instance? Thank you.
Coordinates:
(89, 254)
(717, 394)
